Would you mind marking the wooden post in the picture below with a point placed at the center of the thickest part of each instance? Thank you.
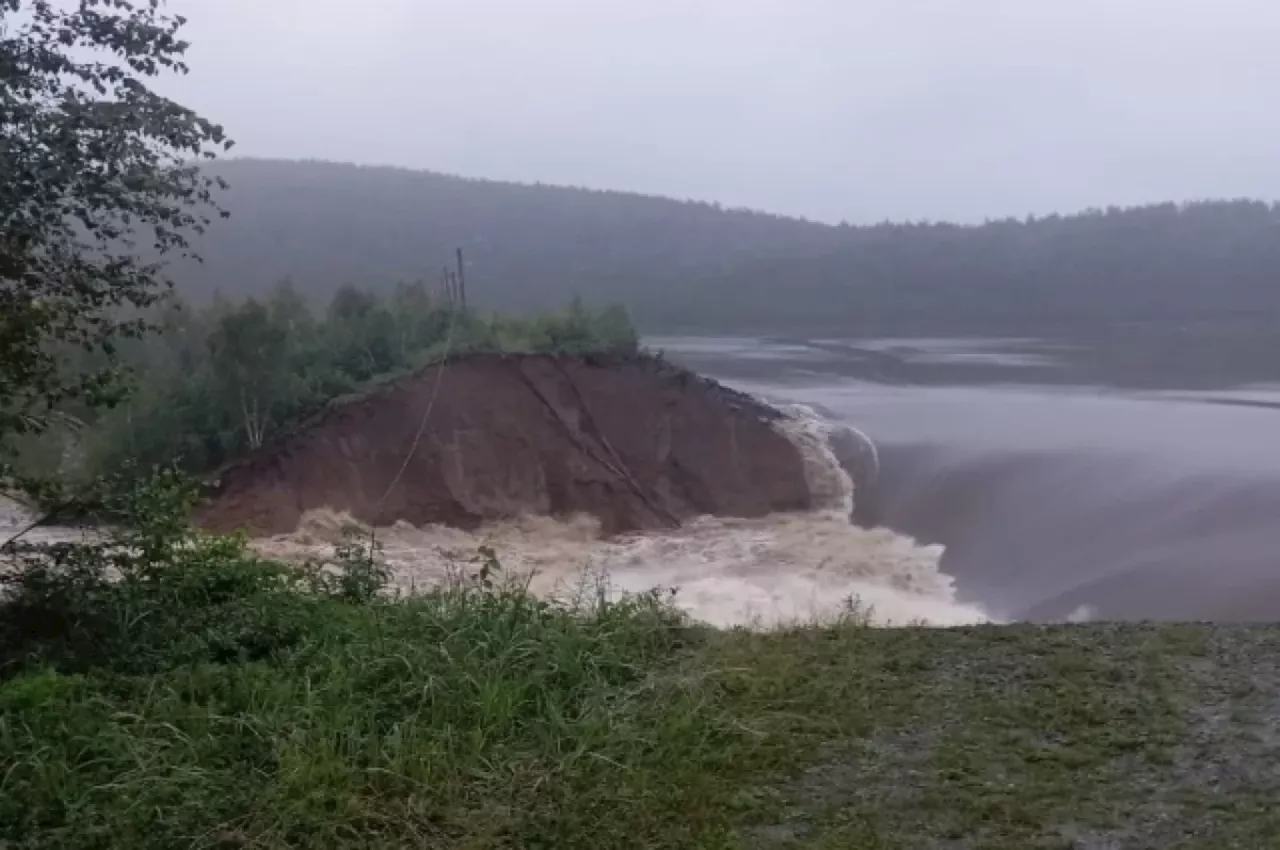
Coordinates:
(462, 281)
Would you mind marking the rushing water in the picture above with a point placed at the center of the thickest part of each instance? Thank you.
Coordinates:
(1008, 483)
(766, 572)
(1052, 500)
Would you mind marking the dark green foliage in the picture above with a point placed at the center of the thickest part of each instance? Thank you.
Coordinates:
(361, 575)
(94, 167)
(151, 596)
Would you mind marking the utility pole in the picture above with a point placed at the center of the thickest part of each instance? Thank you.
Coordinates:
(462, 281)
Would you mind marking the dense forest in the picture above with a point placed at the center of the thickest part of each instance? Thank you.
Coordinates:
(696, 266)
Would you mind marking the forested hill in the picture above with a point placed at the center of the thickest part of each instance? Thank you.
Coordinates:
(1162, 265)
(688, 265)
(527, 246)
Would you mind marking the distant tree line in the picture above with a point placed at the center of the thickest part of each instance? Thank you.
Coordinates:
(694, 266)
(221, 379)
(1164, 267)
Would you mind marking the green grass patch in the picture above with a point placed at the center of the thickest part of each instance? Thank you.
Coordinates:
(169, 690)
(465, 718)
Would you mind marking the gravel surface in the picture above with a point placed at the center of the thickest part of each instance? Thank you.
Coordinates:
(1092, 737)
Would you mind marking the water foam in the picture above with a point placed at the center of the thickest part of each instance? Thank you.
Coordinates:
(766, 572)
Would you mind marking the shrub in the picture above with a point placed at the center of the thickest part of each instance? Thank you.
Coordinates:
(148, 595)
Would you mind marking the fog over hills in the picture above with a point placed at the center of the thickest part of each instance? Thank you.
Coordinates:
(694, 265)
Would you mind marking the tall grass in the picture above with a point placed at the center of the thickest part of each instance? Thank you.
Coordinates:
(469, 717)
(167, 689)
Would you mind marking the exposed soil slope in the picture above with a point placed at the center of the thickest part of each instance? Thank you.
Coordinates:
(637, 442)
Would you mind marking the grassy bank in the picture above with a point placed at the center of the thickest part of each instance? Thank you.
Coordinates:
(208, 699)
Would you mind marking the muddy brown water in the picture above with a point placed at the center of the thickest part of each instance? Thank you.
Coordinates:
(1040, 490)
(1054, 498)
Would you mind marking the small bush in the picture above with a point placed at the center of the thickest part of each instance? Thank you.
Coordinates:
(361, 575)
(151, 595)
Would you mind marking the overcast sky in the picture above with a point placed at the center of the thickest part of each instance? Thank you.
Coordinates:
(855, 109)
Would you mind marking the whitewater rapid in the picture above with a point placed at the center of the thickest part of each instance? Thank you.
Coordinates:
(760, 573)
